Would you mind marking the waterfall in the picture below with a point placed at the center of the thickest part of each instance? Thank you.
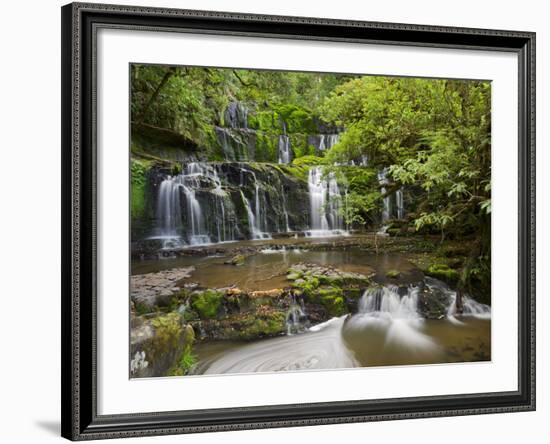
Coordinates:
(206, 211)
(285, 211)
(399, 203)
(317, 197)
(325, 204)
(296, 318)
(383, 180)
(169, 214)
(235, 138)
(236, 115)
(388, 301)
(470, 307)
(254, 218)
(364, 160)
(326, 141)
(392, 311)
(284, 149)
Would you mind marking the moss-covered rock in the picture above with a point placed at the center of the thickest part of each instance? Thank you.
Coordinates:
(393, 274)
(443, 272)
(236, 260)
(326, 289)
(158, 344)
(332, 299)
(207, 303)
(262, 321)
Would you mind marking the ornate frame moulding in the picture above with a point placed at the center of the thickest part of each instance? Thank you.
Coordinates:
(80, 22)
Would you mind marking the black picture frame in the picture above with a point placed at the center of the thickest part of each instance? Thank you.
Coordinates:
(80, 420)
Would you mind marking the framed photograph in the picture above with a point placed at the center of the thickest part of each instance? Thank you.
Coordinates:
(279, 221)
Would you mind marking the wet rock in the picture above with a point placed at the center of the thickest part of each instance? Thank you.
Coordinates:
(237, 260)
(156, 289)
(157, 344)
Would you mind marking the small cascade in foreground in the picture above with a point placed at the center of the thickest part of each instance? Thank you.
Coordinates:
(391, 300)
(393, 312)
(325, 204)
(296, 318)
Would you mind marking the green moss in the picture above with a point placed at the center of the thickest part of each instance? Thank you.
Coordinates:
(138, 174)
(293, 275)
(442, 271)
(393, 274)
(168, 329)
(307, 285)
(268, 323)
(187, 359)
(237, 260)
(142, 309)
(308, 161)
(207, 303)
(298, 172)
(332, 298)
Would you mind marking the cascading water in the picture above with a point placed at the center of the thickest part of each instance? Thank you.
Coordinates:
(383, 181)
(468, 306)
(392, 311)
(236, 115)
(236, 139)
(296, 318)
(388, 209)
(169, 214)
(256, 218)
(325, 204)
(327, 141)
(284, 149)
(399, 203)
(180, 211)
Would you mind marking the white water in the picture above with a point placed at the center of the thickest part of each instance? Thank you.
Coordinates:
(387, 328)
(320, 349)
(383, 180)
(296, 318)
(399, 203)
(194, 208)
(197, 176)
(284, 149)
(325, 205)
(395, 316)
(327, 141)
(254, 222)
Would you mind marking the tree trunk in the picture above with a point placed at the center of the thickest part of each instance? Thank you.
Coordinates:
(171, 71)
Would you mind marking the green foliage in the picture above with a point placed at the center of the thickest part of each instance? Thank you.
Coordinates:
(185, 364)
(187, 359)
(264, 322)
(207, 303)
(432, 134)
(332, 298)
(168, 329)
(138, 175)
(309, 161)
(308, 285)
(442, 271)
(392, 274)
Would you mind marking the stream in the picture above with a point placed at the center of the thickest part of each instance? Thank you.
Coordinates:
(386, 329)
